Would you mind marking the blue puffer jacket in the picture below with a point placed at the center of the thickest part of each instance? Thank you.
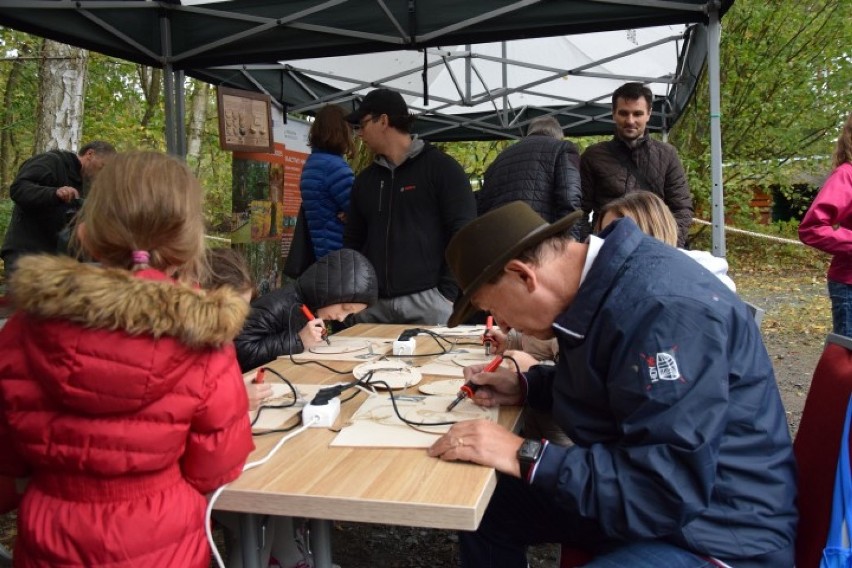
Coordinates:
(325, 185)
(666, 388)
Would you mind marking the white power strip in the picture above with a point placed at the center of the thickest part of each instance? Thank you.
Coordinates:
(325, 414)
(405, 347)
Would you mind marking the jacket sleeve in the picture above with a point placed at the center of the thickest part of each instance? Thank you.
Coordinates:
(821, 227)
(271, 329)
(567, 195)
(587, 181)
(677, 196)
(37, 182)
(659, 472)
(355, 230)
(11, 462)
(220, 435)
(458, 208)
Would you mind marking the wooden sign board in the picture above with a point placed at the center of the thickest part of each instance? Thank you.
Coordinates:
(245, 121)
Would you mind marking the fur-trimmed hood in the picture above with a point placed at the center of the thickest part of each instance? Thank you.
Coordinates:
(108, 298)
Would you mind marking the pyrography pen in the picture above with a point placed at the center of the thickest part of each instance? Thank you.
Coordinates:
(311, 317)
(258, 377)
(469, 387)
(487, 339)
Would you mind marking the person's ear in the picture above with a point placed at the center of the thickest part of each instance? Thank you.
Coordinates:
(522, 272)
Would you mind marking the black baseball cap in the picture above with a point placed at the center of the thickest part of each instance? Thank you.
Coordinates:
(378, 102)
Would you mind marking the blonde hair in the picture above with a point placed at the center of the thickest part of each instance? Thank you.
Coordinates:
(843, 152)
(648, 211)
(146, 201)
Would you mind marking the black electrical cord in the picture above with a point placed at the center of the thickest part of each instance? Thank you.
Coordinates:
(261, 408)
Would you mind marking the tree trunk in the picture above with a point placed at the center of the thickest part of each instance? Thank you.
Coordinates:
(150, 80)
(197, 120)
(62, 87)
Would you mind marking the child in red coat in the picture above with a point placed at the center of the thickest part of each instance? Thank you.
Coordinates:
(120, 393)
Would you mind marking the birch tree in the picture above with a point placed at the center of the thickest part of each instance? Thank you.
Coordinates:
(62, 81)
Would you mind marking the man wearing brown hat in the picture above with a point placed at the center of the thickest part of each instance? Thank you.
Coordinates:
(404, 208)
(681, 453)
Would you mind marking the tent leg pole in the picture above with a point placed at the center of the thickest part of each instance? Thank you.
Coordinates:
(717, 194)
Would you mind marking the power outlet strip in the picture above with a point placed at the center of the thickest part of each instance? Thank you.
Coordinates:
(404, 346)
(325, 414)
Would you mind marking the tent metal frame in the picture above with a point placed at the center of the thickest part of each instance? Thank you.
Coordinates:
(251, 33)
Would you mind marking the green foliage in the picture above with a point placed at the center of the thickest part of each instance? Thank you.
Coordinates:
(786, 71)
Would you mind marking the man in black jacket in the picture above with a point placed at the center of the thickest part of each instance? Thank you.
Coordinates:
(46, 193)
(404, 208)
(541, 170)
(633, 161)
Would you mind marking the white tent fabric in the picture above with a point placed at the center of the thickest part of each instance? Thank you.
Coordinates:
(552, 75)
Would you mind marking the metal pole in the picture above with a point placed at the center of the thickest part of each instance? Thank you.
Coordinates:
(180, 114)
(717, 194)
(168, 83)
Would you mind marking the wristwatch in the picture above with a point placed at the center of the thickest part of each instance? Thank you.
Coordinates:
(528, 455)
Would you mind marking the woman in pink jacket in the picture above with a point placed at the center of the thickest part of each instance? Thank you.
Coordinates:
(827, 226)
(120, 394)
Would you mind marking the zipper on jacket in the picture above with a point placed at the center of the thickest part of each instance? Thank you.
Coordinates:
(388, 232)
(381, 190)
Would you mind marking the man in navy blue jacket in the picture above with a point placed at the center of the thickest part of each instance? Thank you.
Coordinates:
(681, 456)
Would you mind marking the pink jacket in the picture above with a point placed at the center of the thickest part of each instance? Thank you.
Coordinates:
(121, 399)
(827, 225)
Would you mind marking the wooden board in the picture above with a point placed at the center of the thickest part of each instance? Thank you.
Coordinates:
(346, 349)
(376, 425)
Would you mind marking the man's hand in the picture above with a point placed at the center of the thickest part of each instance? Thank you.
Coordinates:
(500, 387)
(480, 441)
(67, 193)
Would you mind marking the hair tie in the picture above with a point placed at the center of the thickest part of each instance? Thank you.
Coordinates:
(140, 256)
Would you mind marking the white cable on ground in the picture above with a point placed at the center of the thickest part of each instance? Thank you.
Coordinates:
(752, 233)
(208, 527)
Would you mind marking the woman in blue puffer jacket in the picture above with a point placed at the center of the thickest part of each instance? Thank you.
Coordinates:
(327, 179)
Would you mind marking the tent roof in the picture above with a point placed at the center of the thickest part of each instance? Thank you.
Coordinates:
(264, 41)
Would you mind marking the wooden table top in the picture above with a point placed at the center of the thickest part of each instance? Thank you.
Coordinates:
(307, 478)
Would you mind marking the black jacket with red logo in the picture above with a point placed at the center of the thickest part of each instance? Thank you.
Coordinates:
(401, 218)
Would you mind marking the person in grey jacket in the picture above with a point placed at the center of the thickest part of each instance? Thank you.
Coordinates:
(339, 284)
(633, 161)
(541, 170)
(46, 193)
(681, 454)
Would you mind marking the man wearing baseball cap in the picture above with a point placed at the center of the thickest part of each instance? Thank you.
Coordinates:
(681, 454)
(404, 208)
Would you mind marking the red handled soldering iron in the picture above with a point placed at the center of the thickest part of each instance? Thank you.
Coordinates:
(311, 317)
(487, 339)
(469, 387)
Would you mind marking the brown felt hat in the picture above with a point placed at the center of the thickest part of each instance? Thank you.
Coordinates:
(480, 249)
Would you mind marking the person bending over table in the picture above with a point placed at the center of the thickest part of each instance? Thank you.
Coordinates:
(681, 451)
(341, 283)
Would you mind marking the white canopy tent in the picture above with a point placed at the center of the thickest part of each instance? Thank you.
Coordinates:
(492, 90)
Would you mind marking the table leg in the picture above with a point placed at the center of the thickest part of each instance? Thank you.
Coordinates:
(321, 543)
(252, 543)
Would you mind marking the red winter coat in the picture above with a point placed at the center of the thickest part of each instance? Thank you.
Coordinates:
(121, 398)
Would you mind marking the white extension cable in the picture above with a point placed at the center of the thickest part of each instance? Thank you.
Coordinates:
(209, 512)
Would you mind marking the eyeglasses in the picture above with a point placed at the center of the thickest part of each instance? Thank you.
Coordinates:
(357, 128)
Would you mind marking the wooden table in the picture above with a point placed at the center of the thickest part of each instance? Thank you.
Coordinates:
(307, 478)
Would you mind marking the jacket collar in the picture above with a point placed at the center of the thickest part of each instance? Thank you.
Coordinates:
(147, 302)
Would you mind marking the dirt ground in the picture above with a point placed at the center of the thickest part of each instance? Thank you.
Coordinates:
(790, 287)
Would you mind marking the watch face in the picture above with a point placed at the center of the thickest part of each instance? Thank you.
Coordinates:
(530, 449)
